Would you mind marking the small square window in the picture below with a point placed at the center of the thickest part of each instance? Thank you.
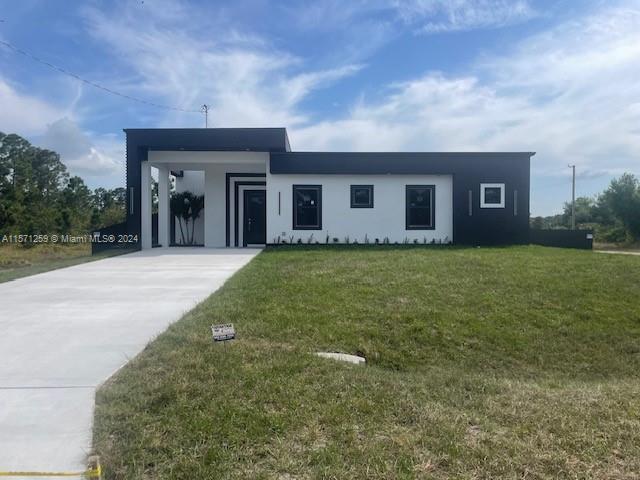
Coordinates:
(361, 196)
(492, 195)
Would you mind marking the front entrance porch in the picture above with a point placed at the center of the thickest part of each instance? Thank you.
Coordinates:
(234, 188)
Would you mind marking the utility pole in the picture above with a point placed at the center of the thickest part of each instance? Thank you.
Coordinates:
(573, 197)
(205, 110)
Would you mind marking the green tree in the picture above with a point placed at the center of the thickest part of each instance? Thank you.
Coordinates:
(622, 199)
(584, 211)
(75, 207)
(108, 207)
(38, 196)
(30, 182)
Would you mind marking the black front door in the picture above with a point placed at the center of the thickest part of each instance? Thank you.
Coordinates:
(255, 218)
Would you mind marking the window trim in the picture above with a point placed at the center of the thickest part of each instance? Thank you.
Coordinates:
(356, 205)
(432, 189)
(483, 187)
(294, 209)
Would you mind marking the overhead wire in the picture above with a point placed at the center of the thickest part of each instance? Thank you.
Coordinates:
(92, 83)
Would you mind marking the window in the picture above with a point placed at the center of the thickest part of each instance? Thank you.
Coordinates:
(492, 195)
(420, 203)
(361, 196)
(307, 207)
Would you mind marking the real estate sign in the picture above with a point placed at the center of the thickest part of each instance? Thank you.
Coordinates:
(224, 332)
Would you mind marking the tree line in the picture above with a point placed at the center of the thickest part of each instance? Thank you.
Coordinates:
(39, 196)
(614, 215)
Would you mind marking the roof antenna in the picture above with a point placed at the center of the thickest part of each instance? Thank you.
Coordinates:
(205, 110)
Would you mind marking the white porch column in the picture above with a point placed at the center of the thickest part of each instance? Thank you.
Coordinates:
(145, 205)
(209, 209)
(163, 206)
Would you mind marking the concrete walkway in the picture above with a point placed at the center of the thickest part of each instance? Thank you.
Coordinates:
(65, 332)
(618, 252)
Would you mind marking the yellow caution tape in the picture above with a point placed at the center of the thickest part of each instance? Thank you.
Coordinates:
(90, 473)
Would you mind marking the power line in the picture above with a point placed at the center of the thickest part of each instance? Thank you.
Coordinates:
(93, 84)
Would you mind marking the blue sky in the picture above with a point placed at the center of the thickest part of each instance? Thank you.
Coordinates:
(557, 77)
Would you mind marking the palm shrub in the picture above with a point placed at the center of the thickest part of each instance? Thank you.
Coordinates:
(186, 207)
(197, 205)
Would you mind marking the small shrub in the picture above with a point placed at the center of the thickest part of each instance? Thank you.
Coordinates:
(336, 240)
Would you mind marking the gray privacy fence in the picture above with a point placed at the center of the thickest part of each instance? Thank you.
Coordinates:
(117, 237)
(562, 238)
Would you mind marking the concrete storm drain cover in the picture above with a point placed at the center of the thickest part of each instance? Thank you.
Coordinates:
(343, 357)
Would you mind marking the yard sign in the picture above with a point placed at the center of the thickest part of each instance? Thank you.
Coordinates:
(224, 332)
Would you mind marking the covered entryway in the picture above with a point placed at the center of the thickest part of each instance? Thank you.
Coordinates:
(232, 184)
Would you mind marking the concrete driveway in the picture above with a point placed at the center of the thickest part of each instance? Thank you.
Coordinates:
(65, 332)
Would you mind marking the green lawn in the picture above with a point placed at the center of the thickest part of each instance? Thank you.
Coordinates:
(515, 362)
(17, 261)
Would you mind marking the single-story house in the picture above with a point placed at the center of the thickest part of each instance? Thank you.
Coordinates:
(258, 191)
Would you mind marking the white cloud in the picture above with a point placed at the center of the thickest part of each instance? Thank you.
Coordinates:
(438, 16)
(55, 127)
(244, 80)
(571, 94)
(23, 114)
(81, 154)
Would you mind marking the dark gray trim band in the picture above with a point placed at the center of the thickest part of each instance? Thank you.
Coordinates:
(226, 200)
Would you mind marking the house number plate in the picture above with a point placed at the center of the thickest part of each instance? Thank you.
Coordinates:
(224, 332)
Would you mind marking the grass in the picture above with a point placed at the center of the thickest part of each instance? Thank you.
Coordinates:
(514, 362)
(17, 261)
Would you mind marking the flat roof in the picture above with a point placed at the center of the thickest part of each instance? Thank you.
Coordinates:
(380, 163)
(215, 139)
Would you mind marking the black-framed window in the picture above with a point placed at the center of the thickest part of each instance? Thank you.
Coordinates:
(361, 196)
(307, 207)
(420, 207)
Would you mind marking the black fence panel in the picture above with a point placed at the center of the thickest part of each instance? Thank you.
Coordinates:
(562, 238)
(109, 238)
(117, 237)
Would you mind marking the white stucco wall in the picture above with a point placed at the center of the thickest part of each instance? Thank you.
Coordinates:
(386, 219)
